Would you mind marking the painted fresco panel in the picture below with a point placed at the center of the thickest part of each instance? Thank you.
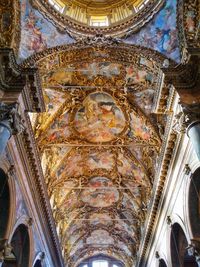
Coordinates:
(127, 167)
(136, 76)
(100, 218)
(144, 100)
(139, 128)
(100, 119)
(100, 237)
(101, 193)
(53, 100)
(59, 129)
(77, 163)
(38, 33)
(161, 33)
(105, 69)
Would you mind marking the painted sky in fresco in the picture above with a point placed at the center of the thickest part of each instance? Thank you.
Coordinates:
(160, 34)
(37, 32)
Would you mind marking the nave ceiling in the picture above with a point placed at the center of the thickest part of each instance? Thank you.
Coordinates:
(99, 140)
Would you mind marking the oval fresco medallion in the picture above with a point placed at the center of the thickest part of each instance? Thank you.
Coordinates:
(100, 193)
(99, 119)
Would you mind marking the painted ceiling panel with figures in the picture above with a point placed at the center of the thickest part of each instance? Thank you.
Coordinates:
(99, 143)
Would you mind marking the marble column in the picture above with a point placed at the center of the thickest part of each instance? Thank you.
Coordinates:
(194, 135)
(191, 122)
(10, 123)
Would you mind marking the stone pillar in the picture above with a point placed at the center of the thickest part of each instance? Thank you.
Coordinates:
(194, 135)
(10, 123)
(192, 124)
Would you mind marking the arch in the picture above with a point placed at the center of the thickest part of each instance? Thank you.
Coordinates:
(20, 244)
(194, 203)
(7, 170)
(178, 244)
(4, 203)
(162, 263)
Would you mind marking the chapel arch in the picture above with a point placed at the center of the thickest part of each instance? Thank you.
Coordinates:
(194, 204)
(178, 244)
(4, 204)
(20, 244)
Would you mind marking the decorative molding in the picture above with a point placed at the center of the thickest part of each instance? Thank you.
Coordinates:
(27, 147)
(169, 145)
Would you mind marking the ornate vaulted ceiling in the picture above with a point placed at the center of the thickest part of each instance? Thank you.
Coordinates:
(99, 142)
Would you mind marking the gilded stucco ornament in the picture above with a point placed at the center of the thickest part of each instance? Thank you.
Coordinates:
(10, 17)
(99, 143)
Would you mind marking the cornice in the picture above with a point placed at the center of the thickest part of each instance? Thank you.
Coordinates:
(30, 157)
(170, 140)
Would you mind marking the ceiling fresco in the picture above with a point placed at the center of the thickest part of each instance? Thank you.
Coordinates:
(99, 142)
(161, 34)
(38, 33)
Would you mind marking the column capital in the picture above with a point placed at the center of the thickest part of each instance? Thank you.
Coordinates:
(5, 249)
(191, 114)
(10, 118)
(16, 80)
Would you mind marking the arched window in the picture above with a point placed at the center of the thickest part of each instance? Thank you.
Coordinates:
(101, 261)
(179, 252)
(4, 203)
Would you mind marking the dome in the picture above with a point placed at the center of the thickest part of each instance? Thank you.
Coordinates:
(108, 17)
